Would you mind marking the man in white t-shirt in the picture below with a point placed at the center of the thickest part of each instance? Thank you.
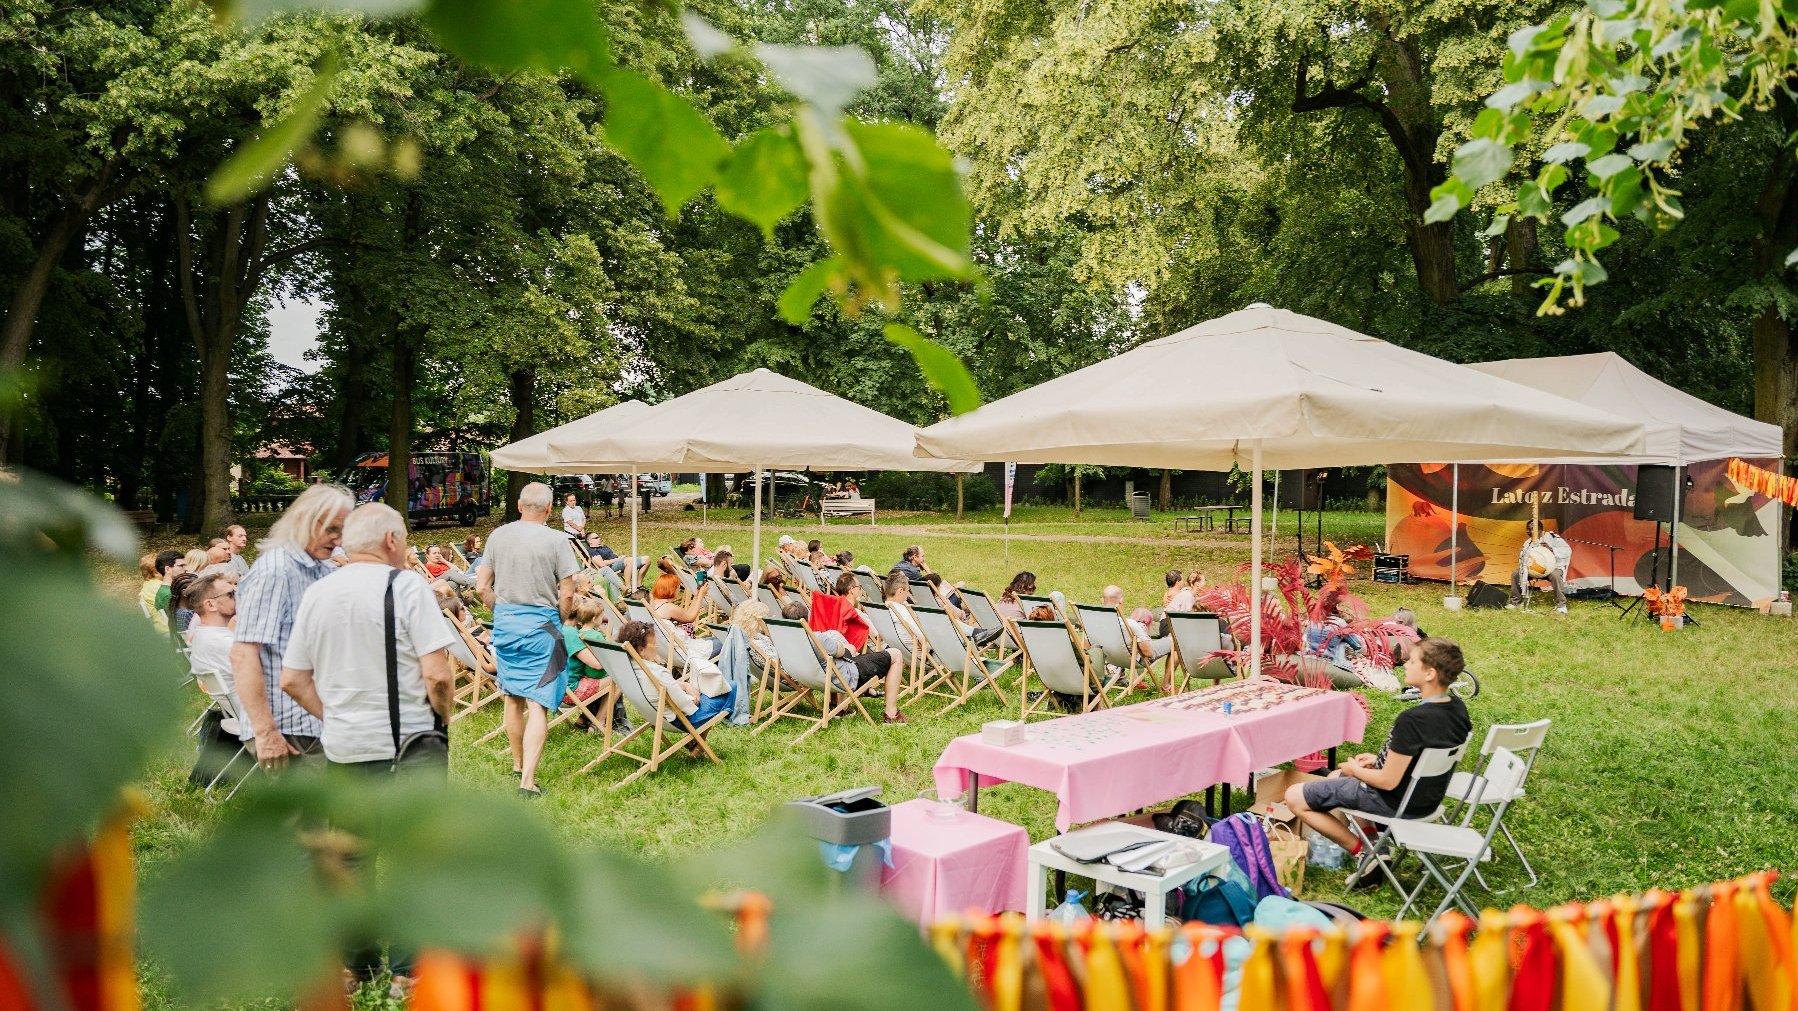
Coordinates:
(574, 519)
(213, 600)
(335, 666)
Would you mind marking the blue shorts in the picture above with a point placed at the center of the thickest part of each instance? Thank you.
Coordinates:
(1343, 792)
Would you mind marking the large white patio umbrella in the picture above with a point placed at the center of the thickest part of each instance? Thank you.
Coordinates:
(755, 421)
(1265, 387)
(532, 456)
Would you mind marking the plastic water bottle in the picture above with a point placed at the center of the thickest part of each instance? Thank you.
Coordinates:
(1226, 708)
(1070, 911)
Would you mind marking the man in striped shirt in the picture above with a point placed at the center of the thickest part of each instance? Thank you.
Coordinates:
(295, 555)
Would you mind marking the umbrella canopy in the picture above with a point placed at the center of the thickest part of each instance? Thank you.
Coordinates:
(753, 421)
(532, 455)
(756, 419)
(1308, 392)
(1265, 387)
(1677, 427)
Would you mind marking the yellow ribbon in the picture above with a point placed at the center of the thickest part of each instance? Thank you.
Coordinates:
(1685, 925)
(1407, 981)
(1629, 964)
(1106, 987)
(1258, 988)
(1583, 983)
(1491, 963)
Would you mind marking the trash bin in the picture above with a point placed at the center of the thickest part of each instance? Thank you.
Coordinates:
(1139, 505)
(852, 828)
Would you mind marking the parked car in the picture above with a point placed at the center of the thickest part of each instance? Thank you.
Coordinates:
(659, 485)
(439, 486)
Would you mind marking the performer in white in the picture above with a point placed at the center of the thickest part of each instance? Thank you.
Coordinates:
(1545, 555)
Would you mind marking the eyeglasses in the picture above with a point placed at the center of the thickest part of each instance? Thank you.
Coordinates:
(228, 593)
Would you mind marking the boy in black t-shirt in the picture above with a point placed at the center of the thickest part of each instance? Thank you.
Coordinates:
(1377, 783)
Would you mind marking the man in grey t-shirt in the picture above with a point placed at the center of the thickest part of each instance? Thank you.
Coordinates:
(527, 577)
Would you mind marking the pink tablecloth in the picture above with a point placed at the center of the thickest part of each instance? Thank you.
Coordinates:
(1106, 763)
(945, 866)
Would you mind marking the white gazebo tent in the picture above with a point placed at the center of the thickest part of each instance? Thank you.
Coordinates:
(532, 455)
(1265, 387)
(754, 421)
(1677, 428)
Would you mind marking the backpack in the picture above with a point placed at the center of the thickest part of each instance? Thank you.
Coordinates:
(1244, 837)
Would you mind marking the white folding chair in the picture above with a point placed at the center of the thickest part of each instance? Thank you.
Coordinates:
(1504, 775)
(1051, 652)
(960, 669)
(661, 719)
(1469, 788)
(1197, 638)
(219, 689)
(1431, 763)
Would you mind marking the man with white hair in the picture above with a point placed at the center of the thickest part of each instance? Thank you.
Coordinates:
(295, 555)
(1148, 647)
(336, 665)
(527, 577)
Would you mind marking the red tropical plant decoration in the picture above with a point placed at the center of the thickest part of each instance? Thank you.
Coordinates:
(1335, 565)
(1287, 614)
(1670, 604)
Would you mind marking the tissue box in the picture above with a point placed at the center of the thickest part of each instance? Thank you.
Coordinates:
(1004, 733)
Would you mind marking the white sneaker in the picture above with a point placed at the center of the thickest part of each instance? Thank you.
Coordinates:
(1561, 610)
(1510, 607)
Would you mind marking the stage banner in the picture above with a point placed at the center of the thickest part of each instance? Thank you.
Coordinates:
(1011, 479)
(1728, 544)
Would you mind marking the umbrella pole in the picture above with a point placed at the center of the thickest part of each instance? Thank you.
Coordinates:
(1273, 526)
(1454, 530)
(1255, 565)
(755, 551)
(636, 580)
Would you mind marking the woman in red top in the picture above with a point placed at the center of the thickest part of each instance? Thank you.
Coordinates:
(435, 565)
(838, 614)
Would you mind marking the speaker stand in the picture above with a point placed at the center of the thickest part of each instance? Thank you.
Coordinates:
(1654, 579)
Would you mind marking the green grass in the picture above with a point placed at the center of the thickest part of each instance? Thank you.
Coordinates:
(1669, 763)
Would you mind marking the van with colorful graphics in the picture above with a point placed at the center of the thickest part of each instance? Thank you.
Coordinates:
(439, 486)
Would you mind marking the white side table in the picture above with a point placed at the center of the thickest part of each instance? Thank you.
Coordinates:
(1154, 885)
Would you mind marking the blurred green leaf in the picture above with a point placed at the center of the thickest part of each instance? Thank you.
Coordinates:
(244, 915)
(87, 668)
(461, 870)
(706, 40)
(255, 163)
(764, 180)
(942, 369)
(544, 35)
(828, 77)
(675, 147)
(819, 950)
(38, 512)
(912, 212)
(256, 10)
(1481, 161)
(797, 300)
(634, 922)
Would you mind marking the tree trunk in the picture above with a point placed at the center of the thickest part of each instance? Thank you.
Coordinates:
(960, 495)
(399, 430)
(1776, 374)
(1167, 490)
(353, 390)
(233, 250)
(523, 386)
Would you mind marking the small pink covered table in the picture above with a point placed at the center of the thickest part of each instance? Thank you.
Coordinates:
(945, 866)
(1109, 762)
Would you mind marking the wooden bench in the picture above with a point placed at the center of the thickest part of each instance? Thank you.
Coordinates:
(143, 519)
(845, 507)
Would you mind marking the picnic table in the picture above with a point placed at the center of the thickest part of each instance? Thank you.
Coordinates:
(1110, 762)
(1206, 518)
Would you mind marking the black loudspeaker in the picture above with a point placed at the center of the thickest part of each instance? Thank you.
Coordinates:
(1487, 595)
(1654, 493)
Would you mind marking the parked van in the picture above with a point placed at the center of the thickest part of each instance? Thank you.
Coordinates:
(439, 486)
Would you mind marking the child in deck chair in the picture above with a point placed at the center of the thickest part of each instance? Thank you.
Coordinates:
(586, 673)
(1376, 783)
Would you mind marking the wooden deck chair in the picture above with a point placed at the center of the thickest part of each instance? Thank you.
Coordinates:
(1196, 637)
(791, 564)
(734, 590)
(680, 561)
(808, 577)
(1054, 654)
(481, 685)
(870, 584)
(960, 669)
(923, 593)
(609, 577)
(827, 576)
(1104, 628)
(766, 595)
(458, 559)
(1030, 603)
(717, 601)
(670, 657)
(806, 672)
(886, 628)
(689, 586)
(985, 614)
(668, 730)
(598, 710)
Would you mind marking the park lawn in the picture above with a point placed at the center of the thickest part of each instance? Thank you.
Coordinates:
(1670, 761)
